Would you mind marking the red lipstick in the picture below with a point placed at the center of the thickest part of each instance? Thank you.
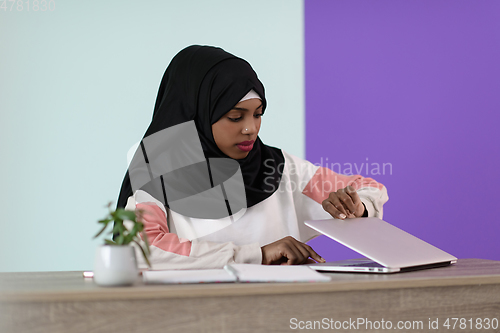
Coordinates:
(245, 145)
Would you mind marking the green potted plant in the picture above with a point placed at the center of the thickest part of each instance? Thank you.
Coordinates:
(115, 261)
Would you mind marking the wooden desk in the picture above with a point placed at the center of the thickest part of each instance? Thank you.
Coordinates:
(66, 302)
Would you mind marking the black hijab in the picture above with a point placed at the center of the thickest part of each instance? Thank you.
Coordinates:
(202, 83)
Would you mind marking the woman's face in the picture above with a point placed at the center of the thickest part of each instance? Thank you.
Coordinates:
(236, 131)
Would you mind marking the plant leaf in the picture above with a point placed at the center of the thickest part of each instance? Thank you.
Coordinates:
(127, 239)
(139, 213)
(109, 242)
(119, 228)
(146, 242)
(135, 229)
(105, 220)
(102, 230)
(120, 239)
(123, 214)
(143, 254)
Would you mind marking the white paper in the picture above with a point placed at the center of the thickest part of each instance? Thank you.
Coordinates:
(188, 276)
(245, 273)
(277, 273)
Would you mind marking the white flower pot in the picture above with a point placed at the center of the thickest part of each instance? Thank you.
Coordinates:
(115, 265)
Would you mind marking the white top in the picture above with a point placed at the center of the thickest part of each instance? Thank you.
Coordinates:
(185, 242)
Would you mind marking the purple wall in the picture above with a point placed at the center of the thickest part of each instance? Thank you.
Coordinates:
(415, 84)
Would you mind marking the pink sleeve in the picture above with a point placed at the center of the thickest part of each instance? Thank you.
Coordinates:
(168, 251)
(156, 228)
(325, 181)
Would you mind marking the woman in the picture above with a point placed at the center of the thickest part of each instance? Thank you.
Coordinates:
(220, 95)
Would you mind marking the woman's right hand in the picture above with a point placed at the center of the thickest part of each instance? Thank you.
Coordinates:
(288, 251)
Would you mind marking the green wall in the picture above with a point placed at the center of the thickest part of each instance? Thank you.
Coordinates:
(77, 89)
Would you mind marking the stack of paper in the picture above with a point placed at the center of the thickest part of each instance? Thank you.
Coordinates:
(188, 276)
(237, 272)
(276, 273)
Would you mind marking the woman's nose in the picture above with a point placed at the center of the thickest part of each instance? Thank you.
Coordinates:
(249, 128)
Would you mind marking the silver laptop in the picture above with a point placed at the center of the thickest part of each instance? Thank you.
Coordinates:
(387, 248)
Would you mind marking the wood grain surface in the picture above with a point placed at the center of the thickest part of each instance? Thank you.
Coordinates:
(66, 302)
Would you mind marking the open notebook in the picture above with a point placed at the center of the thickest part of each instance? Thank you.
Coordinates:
(237, 273)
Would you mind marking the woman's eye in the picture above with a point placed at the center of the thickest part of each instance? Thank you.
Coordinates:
(234, 119)
(258, 115)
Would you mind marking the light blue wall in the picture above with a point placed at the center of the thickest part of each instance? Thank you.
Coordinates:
(77, 89)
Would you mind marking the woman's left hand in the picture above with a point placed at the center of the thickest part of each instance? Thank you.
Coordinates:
(345, 203)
